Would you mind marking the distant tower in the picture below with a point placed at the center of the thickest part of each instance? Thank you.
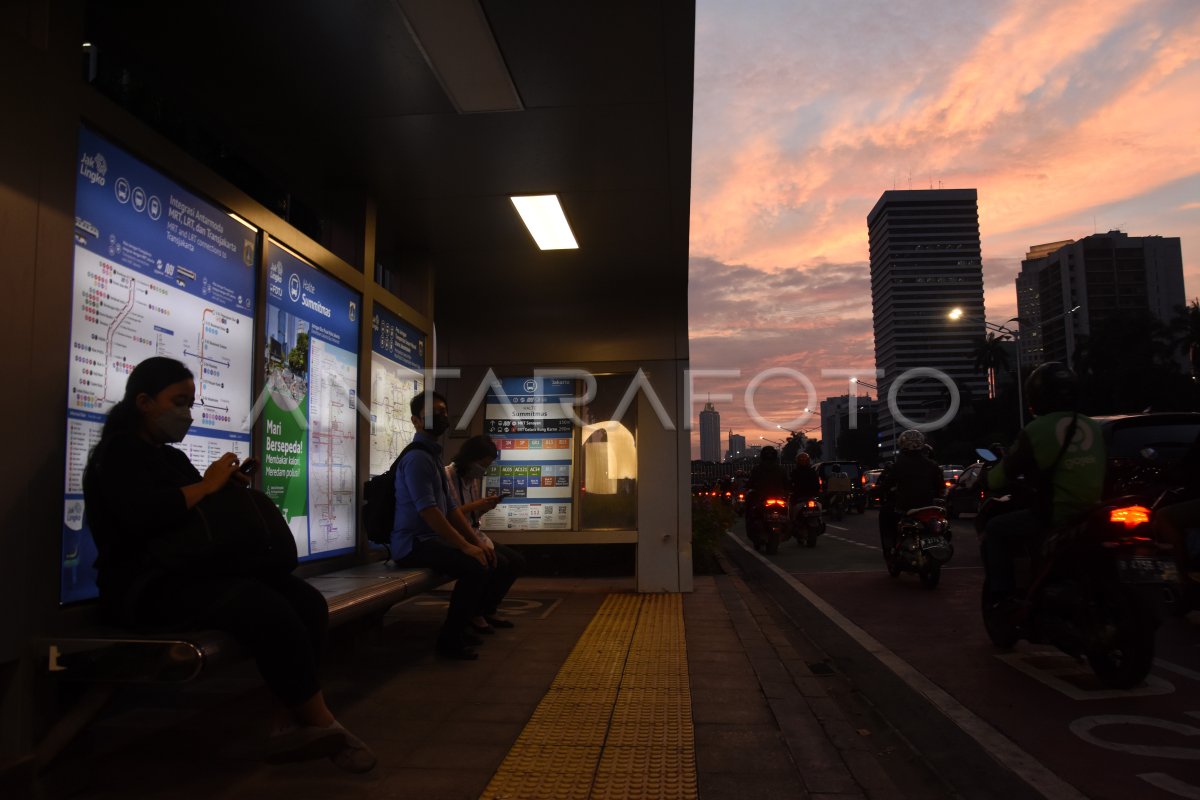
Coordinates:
(710, 434)
(925, 261)
(737, 446)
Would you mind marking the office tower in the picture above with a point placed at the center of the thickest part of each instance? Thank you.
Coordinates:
(710, 434)
(839, 425)
(925, 261)
(1103, 274)
(737, 446)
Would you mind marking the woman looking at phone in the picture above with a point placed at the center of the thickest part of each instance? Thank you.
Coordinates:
(138, 491)
(464, 474)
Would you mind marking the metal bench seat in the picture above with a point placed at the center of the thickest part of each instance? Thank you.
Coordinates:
(112, 655)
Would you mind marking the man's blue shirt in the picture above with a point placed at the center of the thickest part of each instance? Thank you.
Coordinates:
(420, 484)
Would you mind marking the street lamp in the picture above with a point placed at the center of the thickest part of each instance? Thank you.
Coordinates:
(861, 382)
(957, 314)
(778, 443)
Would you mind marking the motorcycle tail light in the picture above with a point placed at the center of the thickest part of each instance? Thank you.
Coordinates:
(729, 494)
(776, 501)
(812, 504)
(1129, 516)
(741, 496)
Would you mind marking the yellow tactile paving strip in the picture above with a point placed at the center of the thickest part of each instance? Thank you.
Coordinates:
(617, 721)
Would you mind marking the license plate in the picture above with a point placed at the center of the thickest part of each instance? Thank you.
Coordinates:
(1148, 570)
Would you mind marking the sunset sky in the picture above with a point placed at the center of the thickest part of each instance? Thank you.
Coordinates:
(1068, 116)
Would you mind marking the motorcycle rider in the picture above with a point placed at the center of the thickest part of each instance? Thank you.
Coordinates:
(766, 479)
(805, 481)
(911, 481)
(1061, 456)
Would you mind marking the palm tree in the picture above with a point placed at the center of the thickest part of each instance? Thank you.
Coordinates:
(1185, 334)
(991, 355)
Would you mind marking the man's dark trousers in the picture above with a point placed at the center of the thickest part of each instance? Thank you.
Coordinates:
(470, 590)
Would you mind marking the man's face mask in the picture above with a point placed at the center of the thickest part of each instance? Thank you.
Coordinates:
(438, 424)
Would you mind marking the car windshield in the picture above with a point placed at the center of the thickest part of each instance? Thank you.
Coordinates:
(1169, 441)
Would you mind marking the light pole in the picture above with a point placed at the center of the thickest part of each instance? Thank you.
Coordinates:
(777, 443)
(957, 314)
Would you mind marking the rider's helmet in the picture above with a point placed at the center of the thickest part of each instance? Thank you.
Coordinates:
(803, 459)
(911, 440)
(1051, 387)
(769, 454)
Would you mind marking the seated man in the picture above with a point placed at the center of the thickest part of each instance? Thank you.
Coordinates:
(430, 530)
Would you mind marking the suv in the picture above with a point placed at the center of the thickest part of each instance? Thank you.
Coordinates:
(856, 498)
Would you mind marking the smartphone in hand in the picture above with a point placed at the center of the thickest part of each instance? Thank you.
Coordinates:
(249, 467)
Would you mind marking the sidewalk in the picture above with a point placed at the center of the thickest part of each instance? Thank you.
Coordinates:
(768, 716)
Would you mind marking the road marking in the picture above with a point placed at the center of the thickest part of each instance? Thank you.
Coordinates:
(851, 541)
(1168, 784)
(1084, 726)
(994, 743)
(835, 527)
(1178, 670)
(1059, 669)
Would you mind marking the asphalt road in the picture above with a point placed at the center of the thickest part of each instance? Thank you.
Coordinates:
(1142, 743)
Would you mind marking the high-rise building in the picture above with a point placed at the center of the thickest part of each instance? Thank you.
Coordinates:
(925, 261)
(1101, 274)
(710, 434)
(737, 446)
(837, 423)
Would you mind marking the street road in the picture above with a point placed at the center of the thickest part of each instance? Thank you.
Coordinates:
(1142, 743)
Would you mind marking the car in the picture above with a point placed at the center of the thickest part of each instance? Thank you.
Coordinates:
(1143, 447)
(857, 496)
(870, 486)
(965, 494)
(950, 475)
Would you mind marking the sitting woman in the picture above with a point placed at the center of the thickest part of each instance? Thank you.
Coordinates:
(464, 475)
(139, 491)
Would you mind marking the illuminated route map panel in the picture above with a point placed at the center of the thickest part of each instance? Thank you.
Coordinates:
(158, 272)
(534, 471)
(397, 376)
(309, 461)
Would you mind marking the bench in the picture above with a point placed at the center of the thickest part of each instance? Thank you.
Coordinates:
(109, 657)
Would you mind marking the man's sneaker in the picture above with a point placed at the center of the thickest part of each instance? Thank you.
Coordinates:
(355, 756)
(304, 743)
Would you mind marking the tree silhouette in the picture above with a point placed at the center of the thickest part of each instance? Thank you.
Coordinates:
(991, 355)
(1184, 330)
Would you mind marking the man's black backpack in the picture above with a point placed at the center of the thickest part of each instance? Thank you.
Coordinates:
(379, 499)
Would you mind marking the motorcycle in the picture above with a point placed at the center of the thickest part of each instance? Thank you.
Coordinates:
(837, 505)
(923, 545)
(1093, 588)
(807, 521)
(770, 524)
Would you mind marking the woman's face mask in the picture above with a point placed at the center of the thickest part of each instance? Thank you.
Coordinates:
(172, 424)
(168, 414)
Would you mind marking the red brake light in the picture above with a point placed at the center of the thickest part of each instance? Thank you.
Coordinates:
(1129, 516)
(812, 503)
(776, 501)
(741, 496)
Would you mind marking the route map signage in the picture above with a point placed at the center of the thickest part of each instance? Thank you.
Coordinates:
(157, 272)
(309, 460)
(534, 471)
(397, 376)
